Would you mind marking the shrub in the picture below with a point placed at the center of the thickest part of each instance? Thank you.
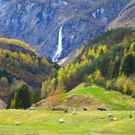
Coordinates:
(23, 97)
(109, 84)
(4, 82)
(98, 78)
(119, 82)
(56, 98)
(126, 85)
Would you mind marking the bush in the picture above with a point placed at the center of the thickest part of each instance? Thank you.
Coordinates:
(23, 97)
(126, 85)
(56, 98)
(109, 84)
(99, 78)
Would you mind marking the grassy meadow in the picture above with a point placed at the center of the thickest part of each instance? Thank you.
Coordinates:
(113, 100)
(37, 122)
(45, 122)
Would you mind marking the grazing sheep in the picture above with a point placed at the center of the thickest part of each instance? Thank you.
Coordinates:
(110, 115)
(74, 112)
(17, 123)
(114, 119)
(32, 108)
(61, 120)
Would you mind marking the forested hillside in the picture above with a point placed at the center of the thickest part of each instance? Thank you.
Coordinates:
(107, 61)
(20, 67)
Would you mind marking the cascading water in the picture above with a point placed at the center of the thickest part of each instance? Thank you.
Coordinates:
(59, 48)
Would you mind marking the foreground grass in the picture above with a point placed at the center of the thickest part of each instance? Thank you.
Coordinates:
(37, 122)
(41, 122)
(112, 99)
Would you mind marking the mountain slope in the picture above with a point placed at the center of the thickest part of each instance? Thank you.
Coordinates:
(38, 21)
(126, 18)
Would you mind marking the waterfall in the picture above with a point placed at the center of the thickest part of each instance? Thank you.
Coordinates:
(59, 48)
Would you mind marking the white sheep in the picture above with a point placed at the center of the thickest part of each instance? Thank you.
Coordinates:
(18, 123)
(74, 112)
(110, 115)
(61, 120)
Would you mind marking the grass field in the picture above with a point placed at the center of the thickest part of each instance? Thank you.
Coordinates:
(43, 122)
(37, 122)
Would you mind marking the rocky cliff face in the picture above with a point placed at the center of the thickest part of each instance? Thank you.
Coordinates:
(126, 18)
(38, 21)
